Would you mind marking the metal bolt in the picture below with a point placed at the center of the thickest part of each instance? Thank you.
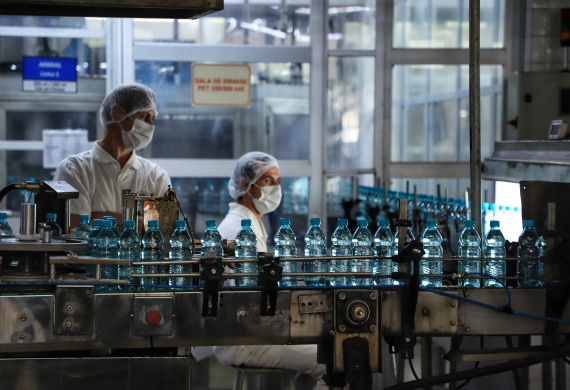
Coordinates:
(407, 339)
(242, 313)
(68, 324)
(452, 322)
(373, 328)
(272, 272)
(69, 308)
(268, 306)
(341, 328)
(425, 311)
(23, 317)
(21, 337)
(214, 271)
(373, 296)
(283, 312)
(468, 329)
(332, 332)
(452, 304)
(342, 296)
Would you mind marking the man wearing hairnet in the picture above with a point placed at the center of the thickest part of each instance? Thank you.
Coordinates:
(100, 174)
(255, 187)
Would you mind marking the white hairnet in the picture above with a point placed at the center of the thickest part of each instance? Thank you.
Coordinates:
(131, 98)
(251, 166)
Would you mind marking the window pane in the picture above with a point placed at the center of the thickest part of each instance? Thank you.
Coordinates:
(272, 22)
(430, 112)
(338, 189)
(352, 24)
(276, 122)
(445, 23)
(350, 117)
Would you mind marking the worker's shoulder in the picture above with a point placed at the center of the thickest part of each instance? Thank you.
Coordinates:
(150, 165)
(78, 160)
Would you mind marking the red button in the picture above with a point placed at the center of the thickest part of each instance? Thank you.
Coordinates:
(153, 317)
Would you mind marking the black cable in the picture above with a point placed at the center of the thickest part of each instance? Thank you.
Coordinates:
(7, 189)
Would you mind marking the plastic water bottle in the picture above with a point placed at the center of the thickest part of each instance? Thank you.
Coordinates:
(5, 228)
(494, 249)
(528, 249)
(84, 228)
(113, 224)
(341, 240)
(542, 243)
(287, 206)
(315, 246)
(383, 247)
(285, 247)
(130, 249)
(470, 247)
(153, 250)
(212, 240)
(246, 249)
(91, 244)
(430, 262)
(180, 250)
(362, 246)
(51, 221)
(107, 244)
(225, 198)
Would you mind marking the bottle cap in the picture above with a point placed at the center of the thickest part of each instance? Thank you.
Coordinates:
(180, 223)
(129, 223)
(245, 222)
(210, 223)
(51, 216)
(106, 223)
(528, 223)
(315, 221)
(153, 223)
(107, 217)
(383, 223)
(431, 223)
(97, 222)
(470, 223)
(495, 223)
(84, 218)
(362, 222)
(3, 215)
(284, 221)
(342, 222)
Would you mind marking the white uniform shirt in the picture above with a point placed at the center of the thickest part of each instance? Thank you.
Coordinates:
(231, 225)
(99, 179)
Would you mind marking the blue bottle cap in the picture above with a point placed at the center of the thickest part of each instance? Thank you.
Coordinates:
(284, 221)
(362, 222)
(342, 222)
(431, 223)
(153, 223)
(51, 216)
(3, 215)
(106, 223)
(528, 223)
(245, 222)
(97, 222)
(84, 218)
(485, 205)
(180, 223)
(315, 221)
(469, 223)
(383, 223)
(495, 224)
(492, 206)
(129, 223)
(107, 217)
(210, 223)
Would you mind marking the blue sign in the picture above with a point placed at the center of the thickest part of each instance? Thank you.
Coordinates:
(47, 74)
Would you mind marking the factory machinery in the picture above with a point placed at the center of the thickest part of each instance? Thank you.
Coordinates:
(61, 329)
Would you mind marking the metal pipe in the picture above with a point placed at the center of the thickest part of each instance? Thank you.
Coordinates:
(475, 112)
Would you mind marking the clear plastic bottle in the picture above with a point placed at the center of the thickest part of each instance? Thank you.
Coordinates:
(494, 249)
(211, 240)
(51, 221)
(5, 229)
(91, 243)
(287, 206)
(470, 247)
(113, 224)
(84, 228)
(431, 262)
(315, 246)
(362, 246)
(180, 250)
(130, 249)
(153, 250)
(383, 247)
(246, 249)
(341, 241)
(285, 247)
(528, 249)
(542, 243)
(107, 243)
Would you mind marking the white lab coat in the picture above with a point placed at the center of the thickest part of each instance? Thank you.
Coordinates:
(301, 358)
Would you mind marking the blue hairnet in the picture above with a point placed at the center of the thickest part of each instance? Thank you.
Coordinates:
(251, 166)
(131, 98)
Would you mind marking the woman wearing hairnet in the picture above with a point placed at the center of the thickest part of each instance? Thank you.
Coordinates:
(100, 174)
(255, 187)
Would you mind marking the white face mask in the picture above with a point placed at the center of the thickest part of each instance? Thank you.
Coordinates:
(139, 136)
(269, 199)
